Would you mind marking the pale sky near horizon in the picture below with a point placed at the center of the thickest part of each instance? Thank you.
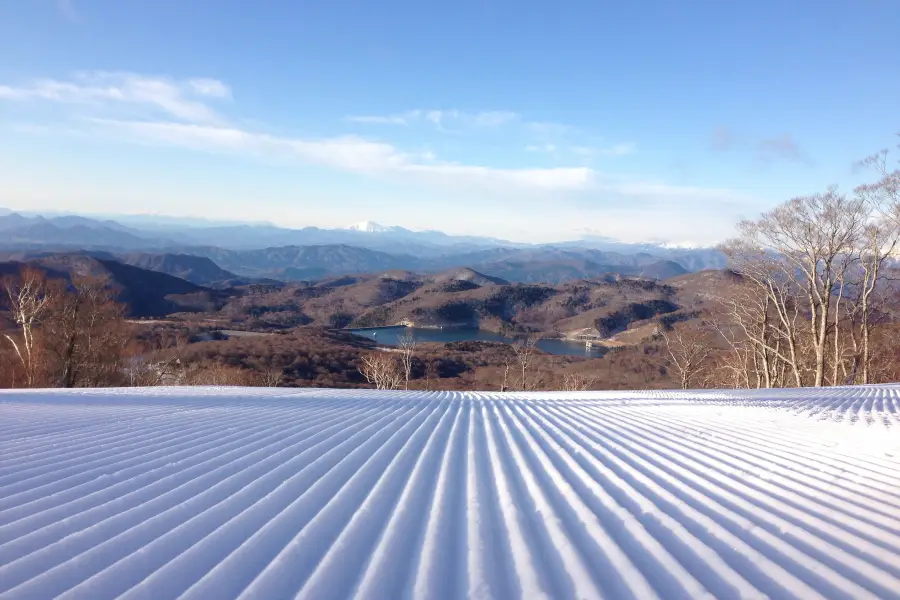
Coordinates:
(525, 120)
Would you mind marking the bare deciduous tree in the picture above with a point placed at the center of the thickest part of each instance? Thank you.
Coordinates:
(29, 295)
(797, 253)
(85, 336)
(270, 375)
(216, 374)
(525, 348)
(880, 241)
(432, 373)
(818, 272)
(407, 345)
(139, 371)
(754, 332)
(508, 362)
(577, 382)
(382, 369)
(72, 333)
(688, 352)
(166, 366)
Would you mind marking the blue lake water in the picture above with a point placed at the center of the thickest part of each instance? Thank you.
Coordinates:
(389, 336)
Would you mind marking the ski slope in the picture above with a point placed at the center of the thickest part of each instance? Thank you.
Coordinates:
(254, 493)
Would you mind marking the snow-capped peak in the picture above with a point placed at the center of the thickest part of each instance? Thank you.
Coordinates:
(369, 227)
(683, 245)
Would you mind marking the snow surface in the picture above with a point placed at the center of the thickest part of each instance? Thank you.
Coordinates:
(221, 493)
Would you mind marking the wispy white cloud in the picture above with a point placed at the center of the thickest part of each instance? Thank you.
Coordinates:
(547, 129)
(548, 137)
(584, 151)
(174, 99)
(210, 87)
(349, 153)
(553, 137)
(359, 155)
(494, 118)
(550, 148)
(180, 113)
(618, 149)
(379, 119)
(649, 189)
(552, 179)
(440, 118)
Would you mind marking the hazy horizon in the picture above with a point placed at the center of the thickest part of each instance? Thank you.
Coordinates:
(519, 121)
(160, 220)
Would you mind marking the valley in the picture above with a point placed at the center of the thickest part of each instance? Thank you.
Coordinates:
(317, 332)
(471, 313)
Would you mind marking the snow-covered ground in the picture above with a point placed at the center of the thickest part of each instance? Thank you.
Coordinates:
(223, 493)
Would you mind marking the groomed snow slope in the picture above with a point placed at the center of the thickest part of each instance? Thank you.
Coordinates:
(223, 493)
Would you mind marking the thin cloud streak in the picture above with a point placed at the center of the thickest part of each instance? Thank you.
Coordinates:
(550, 148)
(379, 120)
(618, 149)
(210, 87)
(585, 151)
(347, 153)
(359, 155)
(441, 117)
(105, 89)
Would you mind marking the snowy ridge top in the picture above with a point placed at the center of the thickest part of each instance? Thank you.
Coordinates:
(224, 493)
(371, 227)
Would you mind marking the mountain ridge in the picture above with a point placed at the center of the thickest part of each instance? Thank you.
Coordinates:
(146, 293)
(242, 248)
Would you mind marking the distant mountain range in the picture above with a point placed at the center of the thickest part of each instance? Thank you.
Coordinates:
(231, 252)
(607, 305)
(519, 265)
(196, 269)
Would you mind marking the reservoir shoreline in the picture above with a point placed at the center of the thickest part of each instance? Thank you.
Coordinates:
(389, 336)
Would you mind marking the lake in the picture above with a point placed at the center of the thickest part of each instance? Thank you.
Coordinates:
(389, 336)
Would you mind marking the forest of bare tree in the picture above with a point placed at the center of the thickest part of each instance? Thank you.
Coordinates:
(816, 299)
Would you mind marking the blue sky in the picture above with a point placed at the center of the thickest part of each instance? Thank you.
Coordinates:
(644, 120)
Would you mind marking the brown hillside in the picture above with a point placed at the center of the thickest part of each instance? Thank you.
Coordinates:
(146, 293)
